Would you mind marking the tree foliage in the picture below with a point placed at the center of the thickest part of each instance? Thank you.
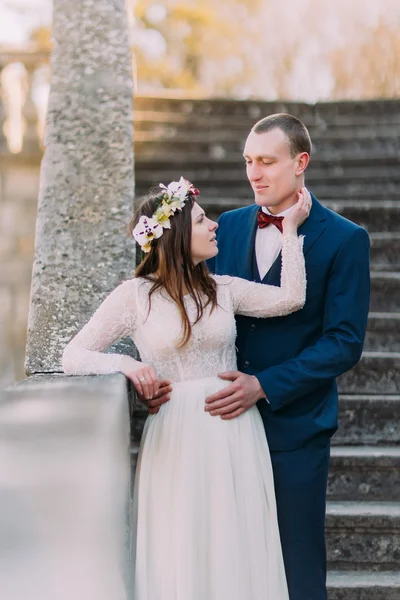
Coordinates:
(234, 48)
(202, 47)
(370, 68)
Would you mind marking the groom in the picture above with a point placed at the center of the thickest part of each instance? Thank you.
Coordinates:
(288, 365)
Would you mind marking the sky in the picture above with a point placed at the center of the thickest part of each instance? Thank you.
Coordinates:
(19, 17)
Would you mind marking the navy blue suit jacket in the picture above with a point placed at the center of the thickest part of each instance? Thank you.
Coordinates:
(297, 358)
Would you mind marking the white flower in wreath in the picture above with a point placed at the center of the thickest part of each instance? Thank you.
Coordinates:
(176, 204)
(162, 215)
(177, 189)
(146, 231)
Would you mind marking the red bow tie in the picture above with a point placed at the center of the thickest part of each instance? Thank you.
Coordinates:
(263, 220)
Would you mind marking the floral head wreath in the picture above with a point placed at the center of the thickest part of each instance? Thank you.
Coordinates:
(172, 198)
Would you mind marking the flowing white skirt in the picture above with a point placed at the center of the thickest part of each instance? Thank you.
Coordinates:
(204, 512)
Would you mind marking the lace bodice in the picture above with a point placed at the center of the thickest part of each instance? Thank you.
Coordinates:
(211, 348)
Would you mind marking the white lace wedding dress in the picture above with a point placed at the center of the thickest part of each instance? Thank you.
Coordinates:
(204, 507)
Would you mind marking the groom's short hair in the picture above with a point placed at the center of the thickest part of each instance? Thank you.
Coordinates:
(296, 132)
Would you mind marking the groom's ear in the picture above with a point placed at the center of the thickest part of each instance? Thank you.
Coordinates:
(302, 163)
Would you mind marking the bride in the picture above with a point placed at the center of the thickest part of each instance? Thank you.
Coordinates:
(204, 505)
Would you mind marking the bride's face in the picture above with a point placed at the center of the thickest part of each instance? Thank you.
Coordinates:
(203, 242)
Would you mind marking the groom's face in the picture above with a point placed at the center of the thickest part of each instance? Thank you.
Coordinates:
(273, 172)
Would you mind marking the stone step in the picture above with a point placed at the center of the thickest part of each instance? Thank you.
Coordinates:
(382, 219)
(238, 193)
(363, 536)
(383, 332)
(385, 249)
(377, 372)
(224, 107)
(223, 174)
(212, 150)
(356, 472)
(360, 535)
(363, 585)
(385, 291)
(375, 216)
(198, 131)
(368, 419)
(360, 473)
(356, 111)
(345, 113)
(231, 124)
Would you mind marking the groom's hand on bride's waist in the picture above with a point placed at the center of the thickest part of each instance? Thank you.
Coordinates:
(162, 396)
(235, 399)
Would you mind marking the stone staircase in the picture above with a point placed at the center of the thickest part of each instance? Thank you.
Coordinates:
(355, 171)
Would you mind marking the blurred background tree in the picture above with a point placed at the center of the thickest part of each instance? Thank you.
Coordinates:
(200, 47)
(304, 50)
(370, 67)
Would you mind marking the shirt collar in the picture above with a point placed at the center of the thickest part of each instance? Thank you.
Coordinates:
(282, 214)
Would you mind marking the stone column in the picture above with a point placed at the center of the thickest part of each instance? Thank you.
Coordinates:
(87, 180)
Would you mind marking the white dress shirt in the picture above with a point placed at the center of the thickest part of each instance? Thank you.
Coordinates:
(268, 244)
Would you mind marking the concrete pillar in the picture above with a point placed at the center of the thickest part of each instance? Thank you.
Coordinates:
(87, 180)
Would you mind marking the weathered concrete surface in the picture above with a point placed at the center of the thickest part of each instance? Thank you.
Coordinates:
(87, 183)
(363, 535)
(385, 251)
(355, 145)
(376, 373)
(383, 332)
(65, 488)
(370, 473)
(368, 419)
(356, 585)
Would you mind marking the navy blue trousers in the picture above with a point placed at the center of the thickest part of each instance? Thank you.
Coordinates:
(300, 486)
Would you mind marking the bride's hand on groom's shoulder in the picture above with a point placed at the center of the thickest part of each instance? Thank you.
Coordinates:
(298, 214)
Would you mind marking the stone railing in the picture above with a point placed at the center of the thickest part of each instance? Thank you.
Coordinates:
(65, 501)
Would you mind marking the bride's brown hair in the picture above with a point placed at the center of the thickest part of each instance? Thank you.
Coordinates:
(169, 263)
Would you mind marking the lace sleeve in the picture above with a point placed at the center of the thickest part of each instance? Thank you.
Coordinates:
(261, 300)
(113, 320)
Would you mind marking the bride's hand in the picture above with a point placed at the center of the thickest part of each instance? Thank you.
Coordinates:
(143, 377)
(298, 214)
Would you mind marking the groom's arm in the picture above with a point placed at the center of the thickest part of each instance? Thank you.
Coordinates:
(345, 320)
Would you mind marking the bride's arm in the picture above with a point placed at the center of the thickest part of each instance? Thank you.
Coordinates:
(261, 300)
(113, 320)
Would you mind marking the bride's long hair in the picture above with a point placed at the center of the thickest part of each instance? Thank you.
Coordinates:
(169, 263)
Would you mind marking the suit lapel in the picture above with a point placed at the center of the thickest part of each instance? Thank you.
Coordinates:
(314, 226)
(245, 243)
